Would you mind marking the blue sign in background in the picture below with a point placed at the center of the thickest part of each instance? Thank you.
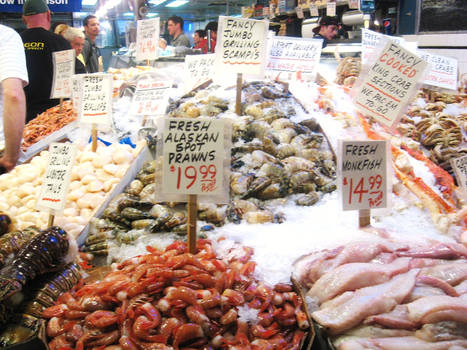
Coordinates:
(54, 5)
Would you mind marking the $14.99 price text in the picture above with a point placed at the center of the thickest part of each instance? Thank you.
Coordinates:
(365, 189)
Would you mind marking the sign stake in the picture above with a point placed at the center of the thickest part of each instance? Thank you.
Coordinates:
(94, 138)
(238, 101)
(60, 110)
(192, 217)
(363, 218)
(50, 223)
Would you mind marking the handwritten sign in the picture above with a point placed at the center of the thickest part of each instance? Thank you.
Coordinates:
(193, 156)
(198, 69)
(242, 45)
(314, 12)
(371, 41)
(442, 71)
(331, 8)
(363, 169)
(354, 4)
(64, 68)
(460, 168)
(96, 98)
(151, 97)
(57, 177)
(76, 86)
(390, 84)
(294, 55)
(147, 39)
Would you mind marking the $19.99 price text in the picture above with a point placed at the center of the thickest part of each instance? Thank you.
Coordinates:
(188, 176)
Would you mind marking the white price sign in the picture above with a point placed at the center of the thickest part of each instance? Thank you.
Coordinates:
(363, 170)
(314, 10)
(151, 97)
(76, 85)
(193, 156)
(331, 8)
(241, 46)
(96, 98)
(390, 84)
(442, 71)
(147, 39)
(57, 177)
(460, 168)
(371, 40)
(294, 55)
(354, 4)
(64, 68)
(198, 70)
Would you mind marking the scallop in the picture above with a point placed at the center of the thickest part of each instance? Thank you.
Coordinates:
(95, 186)
(122, 156)
(111, 168)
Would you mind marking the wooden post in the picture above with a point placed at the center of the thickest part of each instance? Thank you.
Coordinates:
(363, 218)
(60, 110)
(51, 220)
(147, 62)
(238, 102)
(94, 137)
(192, 217)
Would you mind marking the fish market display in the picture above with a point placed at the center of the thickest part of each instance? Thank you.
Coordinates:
(25, 319)
(46, 123)
(348, 71)
(175, 300)
(374, 295)
(94, 175)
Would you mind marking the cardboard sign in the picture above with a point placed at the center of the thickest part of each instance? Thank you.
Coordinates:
(442, 71)
(64, 69)
(198, 69)
(294, 55)
(363, 169)
(241, 45)
(390, 84)
(147, 39)
(193, 156)
(57, 177)
(96, 98)
(371, 41)
(460, 168)
(331, 8)
(151, 97)
(354, 4)
(76, 86)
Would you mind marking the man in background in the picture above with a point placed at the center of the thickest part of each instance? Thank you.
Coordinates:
(13, 77)
(327, 29)
(39, 44)
(76, 39)
(91, 53)
(175, 29)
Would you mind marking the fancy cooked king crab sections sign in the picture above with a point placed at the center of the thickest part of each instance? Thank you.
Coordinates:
(241, 46)
(390, 84)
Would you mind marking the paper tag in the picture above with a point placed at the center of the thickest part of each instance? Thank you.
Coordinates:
(198, 69)
(371, 40)
(193, 156)
(442, 71)
(242, 46)
(390, 83)
(299, 56)
(331, 8)
(76, 86)
(459, 165)
(151, 97)
(56, 179)
(299, 12)
(314, 10)
(354, 4)
(147, 39)
(96, 98)
(64, 69)
(363, 169)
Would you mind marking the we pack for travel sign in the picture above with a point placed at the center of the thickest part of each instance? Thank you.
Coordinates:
(54, 5)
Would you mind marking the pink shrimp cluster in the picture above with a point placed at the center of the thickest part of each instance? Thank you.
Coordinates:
(175, 300)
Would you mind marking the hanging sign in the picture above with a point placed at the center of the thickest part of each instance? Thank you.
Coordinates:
(151, 97)
(56, 179)
(354, 4)
(459, 166)
(64, 69)
(198, 69)
(371, 41)
(294, 55)
(363, 174)
(299, 11)
(96, 98)
(147, 39)
(193, 156)
(390, 84)
(54, 5)
(442, 71)
(314, 10)
(331, 8)
(241, 46)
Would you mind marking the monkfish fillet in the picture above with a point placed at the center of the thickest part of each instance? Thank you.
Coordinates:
(452, 273)
(446, 330)
(438, 308)
(358, 305)
(402, 343)
(354, 276)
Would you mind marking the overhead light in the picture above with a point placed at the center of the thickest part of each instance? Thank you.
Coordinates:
(177, 3)
(153, 14)
(88, 2)
(128, 14)
(156, 2)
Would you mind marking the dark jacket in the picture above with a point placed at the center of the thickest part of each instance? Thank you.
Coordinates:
(319, 36)
(91, 54)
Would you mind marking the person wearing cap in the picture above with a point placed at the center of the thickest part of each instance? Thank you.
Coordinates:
(13, 77)
(327, 29)
(39, 44)
(91, 53)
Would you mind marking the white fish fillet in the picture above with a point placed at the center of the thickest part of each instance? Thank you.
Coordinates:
(452, 273)
(402, 343)
(437, 308)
